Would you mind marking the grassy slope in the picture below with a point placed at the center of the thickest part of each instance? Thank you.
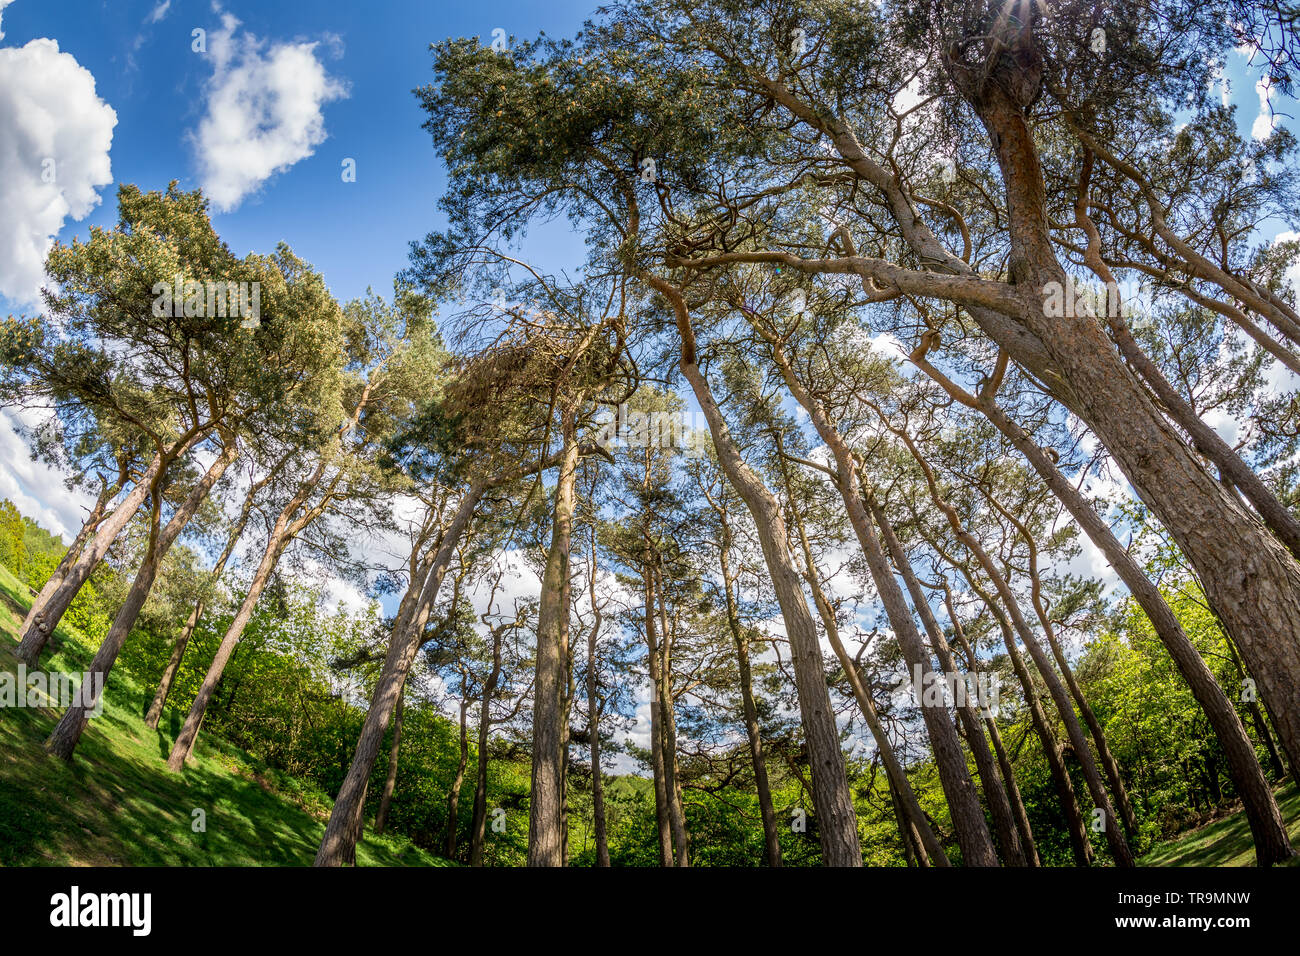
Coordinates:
(1224, 842)
(116, 803)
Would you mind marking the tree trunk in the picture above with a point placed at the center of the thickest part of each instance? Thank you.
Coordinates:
(963, 801)
(390, 781)
(63, 741)
(343, 828)
(1101, 799)
(1004, 822)
(58, 593)
(184, 743)
(453, 795)
(662, 826)
(668, 737)
(836, 817)
(771, 832)
(995, 737)
(912, 848)
(594, 708)
(900, 786)
(478, 827)
(546, 803)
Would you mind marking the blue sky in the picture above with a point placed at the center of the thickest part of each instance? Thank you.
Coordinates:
(125, 99)
(139, 54)
(355, 233)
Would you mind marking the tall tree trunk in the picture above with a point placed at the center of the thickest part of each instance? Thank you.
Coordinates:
(900, 786)
(963, 801)
(453, 794)
(183, 746)
(668, 736)
(390, 781)
(1004, 822)
(63, 741)
(995, 737)
(546, 803)
(1080, 844)
(771, 832)
(1108, 761)
(594, 708)
(1060, 697)
(478, 826)
(663, 828)
(1256, 717)
(912, 848)
(1271, 841)
(1076, 827)
(344, 826)
(58, 593)
(836, 817)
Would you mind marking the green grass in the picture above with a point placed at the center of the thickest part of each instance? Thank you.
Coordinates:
(1224, 842)
(117, 804)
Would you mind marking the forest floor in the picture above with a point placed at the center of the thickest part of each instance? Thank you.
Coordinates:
(1224, 842)
(117, 804)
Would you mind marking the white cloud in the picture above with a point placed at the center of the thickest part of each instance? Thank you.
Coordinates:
(1264, 123)
(159, 12)
(55, 136)
(36, 489)
(263, 111)
(3, 4)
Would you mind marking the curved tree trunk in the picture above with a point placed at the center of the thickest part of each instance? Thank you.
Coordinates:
(344, 826)
(594, 708)
(918, 827)
(663, 828)
(63, 741)
(995, 737)
(963, 801)
(453, 794)
(62, 588)
(1271, 841)
(390, 781)
(1004, 821)
(1101, 799)
(837, 819)
(668, 736)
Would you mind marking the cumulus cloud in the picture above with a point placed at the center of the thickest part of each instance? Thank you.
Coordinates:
(3, 4)
(34, 487)
(264, 111)
(55, 136)
(1264, 122)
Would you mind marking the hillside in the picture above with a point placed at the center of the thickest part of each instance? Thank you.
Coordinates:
(116, 803)
(1225, 842)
